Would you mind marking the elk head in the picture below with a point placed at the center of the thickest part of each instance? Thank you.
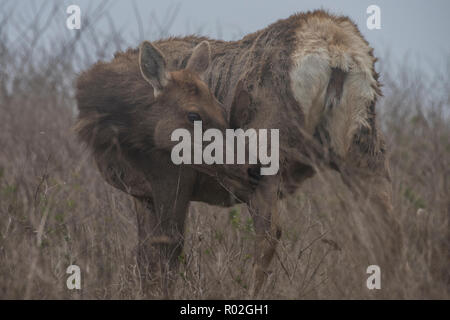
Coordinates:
(180, 97)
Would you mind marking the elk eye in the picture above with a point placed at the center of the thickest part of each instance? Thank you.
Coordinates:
(192, 116)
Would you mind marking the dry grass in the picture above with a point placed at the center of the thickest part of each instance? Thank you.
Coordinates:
(55, 209)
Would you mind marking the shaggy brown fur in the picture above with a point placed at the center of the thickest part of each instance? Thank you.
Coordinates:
(127, 115)
(311, 76)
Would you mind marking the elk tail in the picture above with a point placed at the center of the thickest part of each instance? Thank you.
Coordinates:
(350, 93)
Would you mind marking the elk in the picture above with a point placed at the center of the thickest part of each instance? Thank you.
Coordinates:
(127, 110)
(311, 76)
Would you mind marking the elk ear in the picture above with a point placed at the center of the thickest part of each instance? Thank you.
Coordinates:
(153, 66)
(200, 58)
(240, 107)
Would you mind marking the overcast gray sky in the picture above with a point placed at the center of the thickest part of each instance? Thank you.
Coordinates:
(419, 29)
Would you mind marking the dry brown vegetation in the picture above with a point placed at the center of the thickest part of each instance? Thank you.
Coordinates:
(56, 210)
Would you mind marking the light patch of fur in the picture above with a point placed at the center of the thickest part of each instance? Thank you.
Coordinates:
(324, 43)
(351, 113)
(309, 83)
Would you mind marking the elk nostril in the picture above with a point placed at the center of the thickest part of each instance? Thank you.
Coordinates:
(255, 172)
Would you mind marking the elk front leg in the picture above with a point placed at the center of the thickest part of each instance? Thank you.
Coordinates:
(161, 222)
(263, 207)
(158, 249)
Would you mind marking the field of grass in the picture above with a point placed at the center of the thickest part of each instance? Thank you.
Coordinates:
(56, 210)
